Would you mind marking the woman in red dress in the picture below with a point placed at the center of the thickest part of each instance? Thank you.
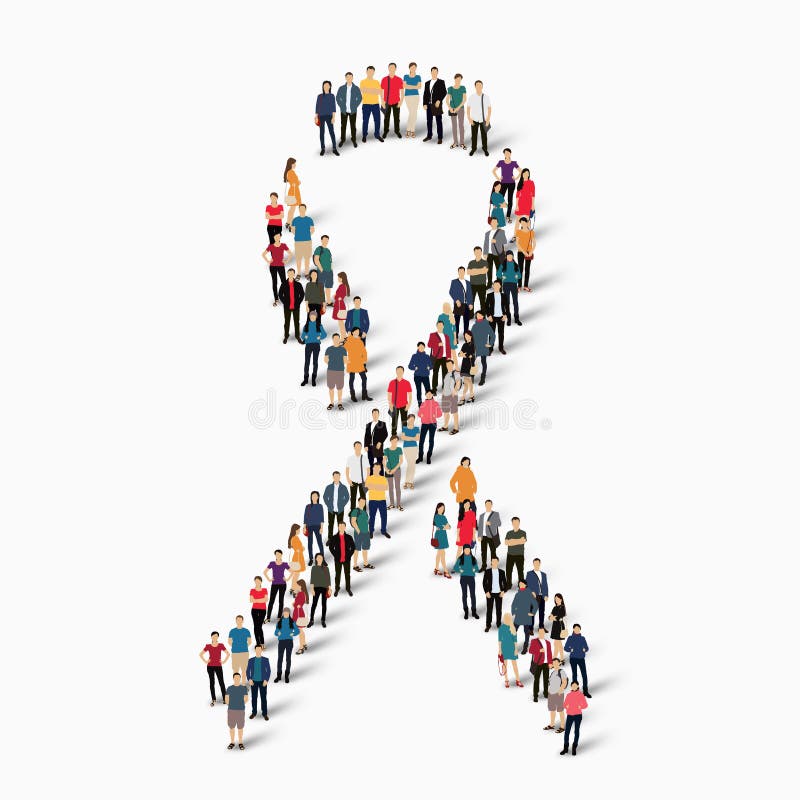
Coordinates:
(339, 305)
(466, 529)
(526, 197)
(299, 613)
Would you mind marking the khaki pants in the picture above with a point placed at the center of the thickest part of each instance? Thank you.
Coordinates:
(302, 252)
(458, 127)
(410, 454)
(239, 663)
(413, 106)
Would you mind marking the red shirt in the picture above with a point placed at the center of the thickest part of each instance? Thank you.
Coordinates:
(259, 594)
(215, 654)
(274, 211)
(574, 703)
(276, 252)
(342, 550)
(394, 86)
(291, 295)
(400, 392)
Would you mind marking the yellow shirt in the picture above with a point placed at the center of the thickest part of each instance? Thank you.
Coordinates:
(370, 91)
(376, 487)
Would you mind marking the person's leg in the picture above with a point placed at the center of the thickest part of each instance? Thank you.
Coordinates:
(464, 594)
(397, 118)
(352, 118)
(382, 511)
(315, 361)
(306, 361)
(460, 117)
(347, 575)
(318, 535)
(329, 123)
(429, 113)
(578, 718)
(439, 126)
(286, 315)
(474, 132)
(296, 318)
(337, 575)
(314, 605)
(411, 454)
(514, 292)
(324, 603)
(567, 729)
(526, 629)
(404, 416)
(489, 610)
(541, 610)
(498, 609)
(454, 127)
(211, 672)
(273, 593)
(279, 672)
(582, 667)
(343, 127)
(281, 596)
(322, 133)
(373, 510)
(288, 646)
(331, 518)
(387, 110)
(520, 266)
(483, 136)
(365, 112)
(394, 420)
(376, 117)
(472, 595)
(423, 434)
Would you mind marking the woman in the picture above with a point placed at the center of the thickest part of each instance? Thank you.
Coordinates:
(456, 100)
(339, 305)
(299, 614)
(467, 566)
(463, 484)
(466, 528)
(258, 608)
(558, 628)
(325, 116)
(320, 587)
(507, 645)
(468, 369)
(313, 518)
(447, 318)
(526, 196)
(298, 559)
(285, 630)
(412, 84)
(526, 244)
(497, 202)
(315, 294)
(274, 216)
(440, 528)
(277, 255)
(292, 182)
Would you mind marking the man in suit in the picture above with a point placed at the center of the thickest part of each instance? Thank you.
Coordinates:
(494, 585)
(348, 98)
(258, 672)
(463, 299)
(483, 336)
(291, 295)
(432, 101)
(497, 313)
(489, 533)
(375, 434)
(342, 547)
(494, 245)
(439, 344)
(537, 582)
(541, 656)
(357, 317)
(336, 497)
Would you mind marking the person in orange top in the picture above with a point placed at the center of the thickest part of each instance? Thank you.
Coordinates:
(293, 198)
(463, 484)
(356, 363)
(298, 559)
(526, 244)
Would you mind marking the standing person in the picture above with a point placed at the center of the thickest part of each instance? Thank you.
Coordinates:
(574, 703)
(311, 335)
(359, 519)
(276, 255)
(375, 434)
(335, 497)
(523, 609)
(466, 528)
(274, 216)
(298, 562)
(258, 608)
(537, 581)
(468, 369)
(440, 528)
(526, 197)
(335, 358)
(303, 230)
(348, 98)
(410, 436)
(421, 365)
(320, 587)
(432, 97)
(511, 277)
(463, 483)
(392, 88)
(356, 472)
(313, 518)
(429, 412)
(236, 699)
(451, 384)
(556, 684)
(479, 114)
(577, 647)
(463, 300)
(275, 573)
(214, 664)
(411, 84)
(478, 271)
(299, 614)
(557, 626)
(371, 95)
(494, 245)
(342, 548)
(392, 466)
(323, 261)
(399, 397)
(293, 198)
(515, 541)
(357, 364)
(339, 302)
(448, 319)
(456, 100)
(377, 486)
(526, 244)
(495, 586)
(489, 524)
(291, 295)
(439, 344)
(483, 336)
(497, 314)
(507, 643)
(357, 317)
(258, 672)
(239, 642)
(315, 293)
(285, 631)
(325, 115)
(466, 565)
(541, 655)
(508, 174)
(497, 205)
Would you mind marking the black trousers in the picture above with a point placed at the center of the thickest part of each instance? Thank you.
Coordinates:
(421, 382)
(276, 590)
(540, 671)
(363, 376)
(499, 327)
(334, 515)
(402, 412)
(312, 354)
(255, 690)
(494, 262)
(527, 629)
(579, 663)
(319, 591)
(351, 118)
(295, 315)
(438, 118)
(326, 121)
(496, 601)
(507, 189)
(475, 126)
(393, 109)
(338, 569)
(468, 584)
(572, 720)
(462, 315)
(539, 598)
(284, 651)
(375, 456)
(356, 490)
(259, 615)
(511, 291)
(520, 563)
(278, 275)
(524, 264)
(427, 430)
(483, 367)
(439, 364)
(212, 671)
(272, 230)
(487, 543)
(479, 291)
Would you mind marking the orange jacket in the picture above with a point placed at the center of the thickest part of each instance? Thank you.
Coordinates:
(463, 483)
(356, 354)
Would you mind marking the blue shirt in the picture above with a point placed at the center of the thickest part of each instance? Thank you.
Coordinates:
(415, 81)
(286, 629)
(302, 228)
(576, 645)
(411, 432)
(314, 334)
(421, 364)
(336, 358)
(238, 637)
(236, 695)
(326, 104)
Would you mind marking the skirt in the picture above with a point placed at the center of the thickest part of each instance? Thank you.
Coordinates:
(441, 536)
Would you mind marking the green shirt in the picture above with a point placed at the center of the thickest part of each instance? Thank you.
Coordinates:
(325, 257)
(477, 280)
(393, 457)
(456, 95)
(359, 520)
(515, 549)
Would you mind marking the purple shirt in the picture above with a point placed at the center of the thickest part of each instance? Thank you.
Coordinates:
(278, 572)
(507, 170)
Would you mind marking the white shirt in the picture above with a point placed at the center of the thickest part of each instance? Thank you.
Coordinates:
(347, 105)
(539, 576)
(463, 286)
(444, 345)
(474, 105)
(495, 581)
(359, 468)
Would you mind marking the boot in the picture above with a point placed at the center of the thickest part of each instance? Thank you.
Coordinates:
(364, 395)
(353, 397)
(574, 749)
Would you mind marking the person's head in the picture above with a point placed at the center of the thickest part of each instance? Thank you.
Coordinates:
(440, 326)
(523, 223)
(429, 394)
(526, 174)
(324, 239)
(467, 336)
(337, 476)
(450, 364)
(290, 274)
(410, 420)
(285, 612)
(326, 87)
(342, 527)
(522, 586)
(362, 502)
(302, 209)
(239, 620)
(335, 339)
(447, 309)
(493, 223)
(376, 469)
(277, 239)
(478, 316)
(478, 251)
(392, 68)
(457, 79)
(541, 633)
(576, 629)
(556, 662)
(259, 649)
(479, 87)
(495, 562)
(507, 618)
(393, 441)
(314, 497)
(558, 598)
(488, 506)
(537, 564)
(375, 415)
(214, 637)
(278, 556)
(319, 559)
(302, 586)
(440, 508)
(434, 72)
(515, 523)
(497, 186)
(273, 198)
(290, 162)
(312, 315)
(412, 68)
(357, 446)
(465, 462)
(398, 371)
(292, 533)
(348, 77)
(466, 505)
(342, 276)
(257, 580)
(496, 285)
(357, 302)
(237, 678)
(370, 71)
(507, 154)
(461, 273)
(313, 276)
(467, 550)
(573, 686)
(509, 256)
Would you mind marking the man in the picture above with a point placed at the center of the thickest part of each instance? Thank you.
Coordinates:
(348, 98)
(508, 175)
(357, 364)
(236, 700)
(574, 703)
(335, 358)
(432, 98)
(439, 344)
(537, 581)
(478, 271)
(214, 664)
(399, 397)
(392, 464)
(357, 317)
(483, 336)
(356, 472)
(239, 641)
(410, 438)
(479, 114)
(523, 610)
(342, 548)
(516, 539)
(489, 524)
(377, 487)
(258, 673)
(577, 647)
(291, 295)
(323, 261)
(509, 276)
(556, 684)
(429, 413)
(451, 384)
(497, 314)
(275, 573)
(311, 336)
(494, 585)
(392, 95)
(335, 498)
(494, 245)
(303, 230)
(371, 95)
(463, 299)
(421, 364)
(361, 536)
(541, 655)
(375, 434)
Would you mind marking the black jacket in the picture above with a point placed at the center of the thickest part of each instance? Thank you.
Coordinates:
(349, 546)
(299, 294)
(381, 434)
(487, 580)
(431, 94)
(496, 313)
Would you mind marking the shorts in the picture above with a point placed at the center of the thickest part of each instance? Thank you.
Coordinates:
(335, 379)
(326, 278)
(362, 541)
(555, 702)
(236, 718)
(302, 249)
(449, 404)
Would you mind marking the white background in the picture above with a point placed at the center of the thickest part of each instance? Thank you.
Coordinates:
(142, 143)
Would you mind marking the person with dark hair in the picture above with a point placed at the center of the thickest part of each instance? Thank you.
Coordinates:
(541, 655)
(342, 548)
(494, 586)
(335, 496)
(303, 230)
(273, 213)
(291, 295)
(479, 114)
(356, 472)
(285, 630)
(558, 629)
(410, 437)
(311, 335)
(421, 365)
(322, 259)
(526, 196)
(439, 536)
(258, 672)
(275, 573)
(315, 293)
(465, 565)
(377, 486)
(483, 336)
(276, 255)
(325, 115)
(293, 198)
(239, 641)
(456, 100)
(463, 483)
(526, 244)
(432, 97)
(258, 608)
(515, 541)
(340, 304)
(497, 312)
(298, 562)
(320, 585)
(375, 434)
(577, 647)
(510, 278)
(299, 614)
(392, 469)
(574, 703)
(236, 699)
(399, 396)
(556, 684)
(348, 98)
(392, 89)
(468, 369)
(466, 528)
(357, 364)
(497, 204)
(439, 344)
(336, 360)
(489, 524)
(494, 245)
(214, 664)
(537, 581)
(463, 300)
(509, 172)
(411, 85)
(313, 518)
(357, 317)
(429, 412)
(362, 541)
(478, 271)
(371, 95)
(523, 610)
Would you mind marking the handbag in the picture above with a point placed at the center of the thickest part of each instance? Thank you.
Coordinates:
(302, 621)
(434, 542)
(305, 530)
(291, 200)
(473, 370)
(501, 664)
(294, 566)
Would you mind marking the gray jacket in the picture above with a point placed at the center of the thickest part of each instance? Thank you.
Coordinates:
(499, 246)
(483, 336)
(355, 97)
(491, 524)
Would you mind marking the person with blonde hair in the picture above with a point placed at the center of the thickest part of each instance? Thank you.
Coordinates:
(507, 646)
(448, 319)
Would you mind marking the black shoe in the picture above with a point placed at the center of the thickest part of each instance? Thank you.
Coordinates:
(354, 143)
(379, 138)
(341, 143)
(365, 396)
(503, 350)
(564, 751)
(486, 629)
(252, 716)
(310, 563)
(574, 750)
(313, 381)
(336, 152)
(518, 322)
(387, 535)
(277, 678)
(310, 623)
(397, 134)
(475, 614)
(363, 138)
(286, 679)
(586, 694)
(323, 624)
(482, 569)
(419, 460)
(427, 138)
(353, 397)
(486, 152)
(472, 152)
(428, 459)
(439, 141)
(266, 716)
(336, 593)
(535, 699)
(305, 381)
(298, 340)
(285, 339)
(481, 381)
(466, 615)
(350, 593)
(322, 152)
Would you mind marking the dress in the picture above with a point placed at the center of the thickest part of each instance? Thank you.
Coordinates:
(467, 358)
(339, 307)
(466, 529)
(298, 553)
(497, 212)
(525, 197)
(299, 609)
(557, 628)
(294, 185)
(439, 521)
(508, 643)
(449, 328)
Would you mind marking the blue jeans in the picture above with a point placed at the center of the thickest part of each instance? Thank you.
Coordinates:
(284, 651)
(313, 530)
(255, 690)
(323, 121)
(375, 507)
(572, 719)
(421, 382)
(511, 291)
(370, 109)
(575, 663)
(428, 430)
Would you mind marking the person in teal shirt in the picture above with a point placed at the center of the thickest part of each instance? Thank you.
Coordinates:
(411, 85)
(440, 528)
(507, 646)
(498, 203)
(285, 630)
(359, 519)
(323, 261)
(508, 274)
(447, 318)
(409, 433)
(456, 99)
(467, 565)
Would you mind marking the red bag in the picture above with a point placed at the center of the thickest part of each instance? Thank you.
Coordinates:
(316, 121)
(305, 530)
(501, 664)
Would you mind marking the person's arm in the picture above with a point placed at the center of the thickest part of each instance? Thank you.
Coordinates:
(203, 658)
(347, 476)
(496, 176)
(313, 228)
(225, 659)
(267, 575)
(489, 115)
(265, 257)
